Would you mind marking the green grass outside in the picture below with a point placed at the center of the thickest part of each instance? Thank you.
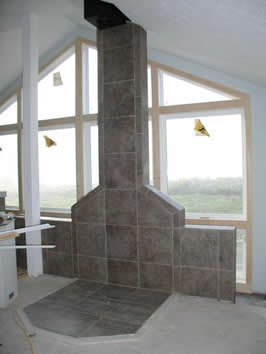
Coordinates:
(210, 203)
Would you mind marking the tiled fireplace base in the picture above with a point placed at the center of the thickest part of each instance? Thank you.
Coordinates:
(88, 309)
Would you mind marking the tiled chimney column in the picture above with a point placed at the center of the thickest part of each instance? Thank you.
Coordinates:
(123, 108)
(124, 230)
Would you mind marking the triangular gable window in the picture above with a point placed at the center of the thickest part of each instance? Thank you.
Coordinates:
(178, 91)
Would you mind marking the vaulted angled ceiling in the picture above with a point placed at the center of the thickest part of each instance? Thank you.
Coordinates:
(226, 35)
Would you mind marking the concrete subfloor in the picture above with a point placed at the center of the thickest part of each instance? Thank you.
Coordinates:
(187, 325)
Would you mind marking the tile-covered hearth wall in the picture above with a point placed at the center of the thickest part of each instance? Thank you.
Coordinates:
(2, 201)
(198, 260)
(59, 260)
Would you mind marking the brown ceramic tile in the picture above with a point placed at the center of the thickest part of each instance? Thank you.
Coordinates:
(60, 264)
(90, 208)
(155, 276)
(121, 207)
(140, 43)
(122, 242)
(155, 245)
(118, 64)
(117, 36)
(227, 286)
(61, 236)
(121, 135)
(151, 213)
(120, 171)
(91, 239)
(176, 285)
(227, 251)
(92, 268)
(123, 273)
(119, 99)
(199, 248)
(198, 282)
(177, 244)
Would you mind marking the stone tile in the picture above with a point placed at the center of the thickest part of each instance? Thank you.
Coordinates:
(227, 286)
(121, 207)
(119, 99)
(60, 264)
(91, 240)
(95, 306)
(77, 290)
(123, 273)
(155, 276)
(120, 171)
(151, 213)
(147, 298)
(177, 243)
(155, 245)
(131, 313)
(140, 43)
(142, 114)
(176, 285)
(93, 268)
(122, 242)
(70, 323)
(199, 248)
(90, 208)
(112, 292)
(198, 282)
(121, 135)
(118, 64)
(117, 36)
(109, 327)
(61, 236)
(42, 312)
(2, 204)
(227, 250)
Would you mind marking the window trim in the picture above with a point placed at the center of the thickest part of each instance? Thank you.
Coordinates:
(164, 162)
(241, 101)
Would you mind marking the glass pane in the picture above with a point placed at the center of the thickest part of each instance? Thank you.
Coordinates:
(94, 156)
(149, 88)
(150, 152)
(241, 256)
(205, 174)
(90, 80)
(9, 114)
(9, 169)
(58, 169)
(58, 101)
(178, 91)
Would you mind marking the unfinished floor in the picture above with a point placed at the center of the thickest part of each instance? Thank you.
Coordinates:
(186, 325)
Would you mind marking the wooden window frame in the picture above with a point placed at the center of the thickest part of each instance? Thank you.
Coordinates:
(240, 101)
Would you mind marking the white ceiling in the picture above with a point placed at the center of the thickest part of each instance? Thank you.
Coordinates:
(227, 35)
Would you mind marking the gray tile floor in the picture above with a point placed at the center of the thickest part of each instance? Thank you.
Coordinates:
(88, 309)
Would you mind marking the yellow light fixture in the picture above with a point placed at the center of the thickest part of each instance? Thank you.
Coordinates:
(49, 142)
(200, 129)
(57, 79)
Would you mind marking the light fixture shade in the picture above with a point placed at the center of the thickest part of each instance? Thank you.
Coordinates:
(200, 129)
(49, 142)
(57, 79)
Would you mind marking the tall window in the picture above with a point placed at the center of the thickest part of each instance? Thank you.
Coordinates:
(203, 163)
(9, 153)
(57, 142)
(205, 173)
